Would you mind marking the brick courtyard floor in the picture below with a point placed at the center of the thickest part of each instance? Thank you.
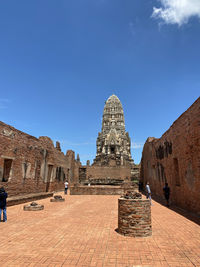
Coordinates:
(81, 232)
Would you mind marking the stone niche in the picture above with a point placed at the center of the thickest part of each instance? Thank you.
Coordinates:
(134, 216)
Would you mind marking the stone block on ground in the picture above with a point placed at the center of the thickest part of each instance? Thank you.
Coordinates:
(33, 207)
(57, 198)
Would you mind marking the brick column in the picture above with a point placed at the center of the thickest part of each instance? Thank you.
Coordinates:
(134, 217)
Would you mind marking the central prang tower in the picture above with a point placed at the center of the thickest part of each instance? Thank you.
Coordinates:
(113, 142)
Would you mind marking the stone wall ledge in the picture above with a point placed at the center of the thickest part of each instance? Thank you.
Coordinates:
(98, 190)
(15, 200)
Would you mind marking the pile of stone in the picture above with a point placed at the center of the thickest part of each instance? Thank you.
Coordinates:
(132, 195)
(33, 207)
(57, 198)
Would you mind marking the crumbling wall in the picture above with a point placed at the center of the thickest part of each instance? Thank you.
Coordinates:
(31, 165)
(175, 158)
(100, 172)
(99, 190)
(104, 174)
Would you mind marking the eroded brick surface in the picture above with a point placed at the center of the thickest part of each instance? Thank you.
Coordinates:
(81, 232)
(100, 190)
(134, 217)
(31, 165)
(175, 158)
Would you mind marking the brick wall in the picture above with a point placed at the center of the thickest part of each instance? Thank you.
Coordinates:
(175, 158)
(103, 174)
(30, 165)
(95, 172)
(99, 190)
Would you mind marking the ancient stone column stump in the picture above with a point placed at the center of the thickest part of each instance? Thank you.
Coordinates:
(33, 207)
(134, 215)
(57, 198)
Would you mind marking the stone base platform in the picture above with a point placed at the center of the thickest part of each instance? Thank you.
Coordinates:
(27, 198)
(57, 198)
(33, 207)
(99, 190)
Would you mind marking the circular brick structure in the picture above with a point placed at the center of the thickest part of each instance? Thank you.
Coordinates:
(33, 207)
(134, 217)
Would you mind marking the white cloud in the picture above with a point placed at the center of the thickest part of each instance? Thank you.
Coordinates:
(177, 11)
(137, 145)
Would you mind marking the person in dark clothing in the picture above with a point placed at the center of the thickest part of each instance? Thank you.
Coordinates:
(166, 191)
(3, 196)
(140, 186)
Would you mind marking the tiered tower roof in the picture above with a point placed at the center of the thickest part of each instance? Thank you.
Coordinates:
(113, 116)
(113, 142)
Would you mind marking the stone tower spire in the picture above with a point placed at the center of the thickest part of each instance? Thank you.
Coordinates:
(113, 142)
(113, 116)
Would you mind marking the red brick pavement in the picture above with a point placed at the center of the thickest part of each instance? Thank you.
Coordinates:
(81, 232)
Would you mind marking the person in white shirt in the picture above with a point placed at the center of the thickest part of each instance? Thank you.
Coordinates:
(66, 187)
(148, 192)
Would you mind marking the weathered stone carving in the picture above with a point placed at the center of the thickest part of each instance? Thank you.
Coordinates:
(113, 142)
(58, 146)
(78, 158)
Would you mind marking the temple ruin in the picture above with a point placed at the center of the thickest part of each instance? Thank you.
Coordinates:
(113, 142)
(113, 165)
(32, 165)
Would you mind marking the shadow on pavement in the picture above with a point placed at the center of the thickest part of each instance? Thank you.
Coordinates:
(190, 216)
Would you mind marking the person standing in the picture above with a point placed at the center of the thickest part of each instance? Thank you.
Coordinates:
(148, 192)
(66, 187)
(140, 186)
(166, 191)
(3, 197)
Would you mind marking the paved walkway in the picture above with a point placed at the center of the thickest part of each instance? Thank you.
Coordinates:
(81, 232)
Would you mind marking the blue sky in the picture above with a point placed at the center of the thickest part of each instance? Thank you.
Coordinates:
(60, 61)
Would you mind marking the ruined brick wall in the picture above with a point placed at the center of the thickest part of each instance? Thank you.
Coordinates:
(95, 172)
(175, 158)
(31, 165)
(103, 174)
(99, 190)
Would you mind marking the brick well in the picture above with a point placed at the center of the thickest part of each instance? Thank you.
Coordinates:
(134, 217)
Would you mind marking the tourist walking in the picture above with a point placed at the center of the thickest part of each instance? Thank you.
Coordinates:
(3, 196)
(166, 191)
(148, 192)
(66, 187)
